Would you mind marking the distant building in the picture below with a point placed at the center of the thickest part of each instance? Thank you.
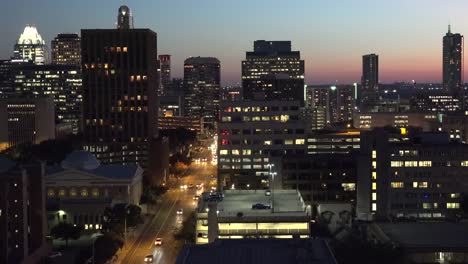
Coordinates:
(453, 63)
(26, 121)
(232, 93)
(341, 141)
(170, 105)
(119, 93)
(66, 49)
(79, 190)
(370, 78)
(250, 133)
(125, 18)
(202, 91)
(457, 126)
(23, 224)
(369, 120)
(252, 251)
(6, 80)
(175, 122)
(435, 103)
(165, 66)
(273, 72)
(421, 176)
(30, 46)
(235, 218)
(63, 82)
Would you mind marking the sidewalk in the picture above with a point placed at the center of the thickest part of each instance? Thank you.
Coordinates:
(132, 237)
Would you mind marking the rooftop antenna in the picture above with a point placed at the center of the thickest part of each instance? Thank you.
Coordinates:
(449, 28)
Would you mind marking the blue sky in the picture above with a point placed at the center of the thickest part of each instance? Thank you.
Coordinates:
(331, 34)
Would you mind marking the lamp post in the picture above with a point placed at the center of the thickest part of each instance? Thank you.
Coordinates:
(273, 191)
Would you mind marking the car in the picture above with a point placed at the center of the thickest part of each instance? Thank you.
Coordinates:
(149, 259)
(260, 206)
(158, 242)
(196, 197)
(180, 211)
(267, 193)
(190, 186)
(198, 185)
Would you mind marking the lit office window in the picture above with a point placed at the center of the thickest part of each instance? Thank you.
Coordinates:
(374, 175)
(396, 164)
(397, 185)
(300, 141)
(374, 196)
(50, 192)
(374, 154)
(453, 205)
(374, 207)
(374, 186)
(374, 165)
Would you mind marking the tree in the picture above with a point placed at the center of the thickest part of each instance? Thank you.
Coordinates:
(66, 231)
(106, 246)
(180, 168)
(187, 232)
(151, 194)
(121, 214)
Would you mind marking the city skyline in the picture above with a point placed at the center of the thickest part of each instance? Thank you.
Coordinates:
(332, 38)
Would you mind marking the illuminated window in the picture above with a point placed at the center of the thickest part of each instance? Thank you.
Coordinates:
(84, 192)
(138, 78)
(420, 184)
(348, 187)
(396, 164)
(300, 141)
(454, 195)
(427, 206)
(50, 192)
(411, 163)
(223, 152)
(235, 152)
(374, 196)
(453, 205)
(425, 164)
(374, 175)
(464, 163)
(95, 192)
(374, 186)
(374, 154)
(397, 185)
(288, 141)
(61, 192)
(374, 165)
(118, 49)
(284, 118)
(73, 192)
(124, 49)
(267, 142)
(246, 152)
(374, 207)
(132, 78)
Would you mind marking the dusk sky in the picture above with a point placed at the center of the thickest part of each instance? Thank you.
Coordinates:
(332, 35)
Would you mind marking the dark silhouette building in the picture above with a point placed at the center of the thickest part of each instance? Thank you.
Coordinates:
(66, 49)
(370, 78)
(453, 63)
(202, 88)
(119, 93)
(273, 72)
(165, 66)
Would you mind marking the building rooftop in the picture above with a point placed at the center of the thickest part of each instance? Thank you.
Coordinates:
(259, 251)
(30, 36)
(427, 235)
(287, 203)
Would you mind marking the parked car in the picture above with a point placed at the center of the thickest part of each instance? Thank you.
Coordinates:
(260, 206)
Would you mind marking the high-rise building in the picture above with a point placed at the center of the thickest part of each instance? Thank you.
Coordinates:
(453, 63)
(26, 121)
(31, 46)
(66, 49)
(165, 66)
(119, 93)
(23, 226)
(273, 72)
(202, 88)
(370, 78)
(125, 18)
(63, 82)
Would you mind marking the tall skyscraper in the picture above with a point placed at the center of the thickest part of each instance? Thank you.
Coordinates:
(370, 78)
(273, 72)
(165, 66)
(453, 62)
(119, 93)
(125, 18)
(202, 88)
(63, 82)
(66, 49)
(31, 46)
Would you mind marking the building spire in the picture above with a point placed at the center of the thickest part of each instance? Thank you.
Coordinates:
(449, 28)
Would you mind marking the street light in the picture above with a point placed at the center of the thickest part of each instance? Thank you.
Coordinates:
(272, 191)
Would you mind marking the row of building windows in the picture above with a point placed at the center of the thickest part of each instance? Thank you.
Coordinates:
(260, 109)
(73, 192)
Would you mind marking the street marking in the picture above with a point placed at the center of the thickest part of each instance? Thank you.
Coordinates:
(165, 220)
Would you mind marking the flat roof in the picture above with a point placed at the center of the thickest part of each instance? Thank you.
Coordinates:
(428, 234)
(286, 203)
(259, 251)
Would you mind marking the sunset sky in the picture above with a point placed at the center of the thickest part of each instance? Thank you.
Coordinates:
(332, 35)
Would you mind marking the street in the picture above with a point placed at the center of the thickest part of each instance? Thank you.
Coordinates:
(166, 221)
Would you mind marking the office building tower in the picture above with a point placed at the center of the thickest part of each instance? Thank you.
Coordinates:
(66, 49)
(250, 134)
(165, 66)
(26, 121)
(23, 226)
(63, 82)
(369, 79)
(125, 18)
(435, 102)
(273, 72)
(202, 88)
(453, 63)
(6, 82)
(421, 176)
(119, 93)
(30, 46)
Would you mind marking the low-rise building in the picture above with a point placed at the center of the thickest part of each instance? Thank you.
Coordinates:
(235, 217)
(333, 141)
(81, 188)
(174, 122)
(428, 121)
